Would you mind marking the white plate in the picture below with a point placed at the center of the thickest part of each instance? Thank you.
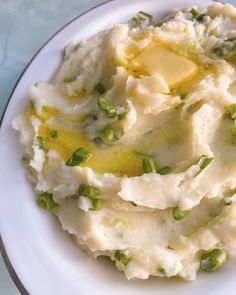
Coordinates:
(42, 255)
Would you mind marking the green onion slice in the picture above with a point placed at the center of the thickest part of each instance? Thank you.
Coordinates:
(110, 134)
(69, 79)
(53, 134)
(88, 191)
(149, 166)
(161, 270)
(204, 162)
(100, 88)
(134, 204)
(141, 19)
(165, 170)
(104, 105)
(96, 204)
(122, 113)
(78, 157)
(179, 214)
(226, 201)
(226, 49)
(196, 15)
(232, 110)
(212, 260)
(45, 201)
(40, 142)
(122, 257)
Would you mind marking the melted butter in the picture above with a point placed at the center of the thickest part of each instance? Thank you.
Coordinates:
(185, 87)
(117, 159)
(48, 112)
(137, 70)
(174, 68)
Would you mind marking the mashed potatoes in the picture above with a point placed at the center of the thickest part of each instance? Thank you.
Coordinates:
(133, 142)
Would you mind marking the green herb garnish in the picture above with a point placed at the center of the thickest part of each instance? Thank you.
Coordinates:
(122, 257)
(88, 191)
(149, 166)
(212, 260)
(122, 113)
(78, 157)
(140, 20)
(196, 15)
(100, 88)
(96, 204)
(134, 204)
(226, 49)
(45, 201)
(53, 134)
(204, 161)
(104, 105)
(40, 142)
(165, 170)
(69, 79)
(161, 270)
(232, 110)
(109, 134)
(179, 214)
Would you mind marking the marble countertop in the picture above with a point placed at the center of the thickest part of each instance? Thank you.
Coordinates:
(25, 25)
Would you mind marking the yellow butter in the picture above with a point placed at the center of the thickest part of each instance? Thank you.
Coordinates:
(172, 67)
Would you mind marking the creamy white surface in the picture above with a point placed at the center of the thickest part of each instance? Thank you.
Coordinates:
(147, 232)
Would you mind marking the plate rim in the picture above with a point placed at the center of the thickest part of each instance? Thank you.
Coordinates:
(21, 288)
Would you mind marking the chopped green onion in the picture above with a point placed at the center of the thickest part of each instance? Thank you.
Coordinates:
(31, 103)
(46, 202)
(100, 88)
(134, 204)
(149, 165)
(79, 156)
(158, 24)
(122, 257)
(175, 140)
(143, 15)
(104, 105)
(183, 96)
(96, 204)
(231, 39)
(88, 191)
(110, 134)
(94, 117)
(196, 15)
(226, 49)
(212, 260)
(98, 141)
(40, 142)
(232, 110)
(226, 201)
(69, 79)
(122, 114)
(179, 214)
(53, 134)
(204, 162)
(25, 158)
(161, 270)
(141, 19)
(165, 170)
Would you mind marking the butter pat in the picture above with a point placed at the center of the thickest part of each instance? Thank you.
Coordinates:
(172, 67)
